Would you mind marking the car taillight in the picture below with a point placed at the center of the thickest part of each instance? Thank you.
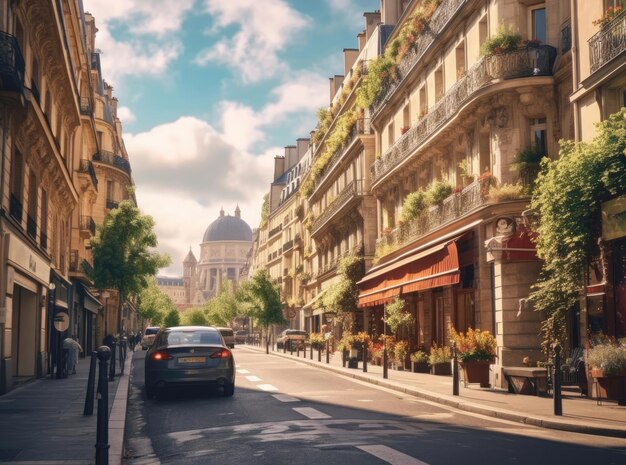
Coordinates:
(223, 353)
(160, 356)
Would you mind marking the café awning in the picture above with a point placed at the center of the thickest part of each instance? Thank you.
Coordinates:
(429, 268)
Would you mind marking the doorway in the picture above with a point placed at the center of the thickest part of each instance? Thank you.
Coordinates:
(24, 333)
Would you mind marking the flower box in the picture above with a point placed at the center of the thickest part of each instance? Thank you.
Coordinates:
(420, 367)
(441, 369)
(476, 372)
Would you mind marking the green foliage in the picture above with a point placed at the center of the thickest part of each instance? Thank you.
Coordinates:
(378, 70)
(172, 318)
(396, 317)
(505, 41)
(465, 170)
(439, 354)
(419, 357)
(265, 210)
(225, 306)
(611, 358)
(262, 298)
(437, 191)
(154, 303)
(567, 196)
(343, 295)
(194, 317)
(507, 191)
(414, 204)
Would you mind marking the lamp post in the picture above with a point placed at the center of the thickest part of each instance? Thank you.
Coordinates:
(385, 373)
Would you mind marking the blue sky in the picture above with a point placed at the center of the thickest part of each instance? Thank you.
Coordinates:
(210, 91)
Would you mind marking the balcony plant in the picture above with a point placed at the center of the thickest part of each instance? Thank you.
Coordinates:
(608, 16)
(419, 362)
(317, 341)
(608, 367)
(506, 191)
(438, 191)
(439, 360)
(465, 172)
(414, 205)
(476, 350)
(505, 41)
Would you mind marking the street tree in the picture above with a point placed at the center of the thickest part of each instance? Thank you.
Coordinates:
(195, 317)
(172, 318)
(225, 306)
(154, 303)
(123, 253)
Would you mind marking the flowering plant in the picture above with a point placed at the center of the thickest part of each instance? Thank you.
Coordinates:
(316, 340)
(610, 357)
(439, 354)
(474, 344)
(400, 350)
(361, 337)
(608, 16)
(419, 357)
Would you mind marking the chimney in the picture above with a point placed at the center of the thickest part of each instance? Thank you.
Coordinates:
(279, 166)
(361, 38)
(335, 85)
(372, 20)
(349, 58)
(391, 11)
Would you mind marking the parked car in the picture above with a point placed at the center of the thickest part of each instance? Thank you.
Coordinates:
(148, 336)
(241, 336)
(228, 335)
(189, 355)
(291, 338)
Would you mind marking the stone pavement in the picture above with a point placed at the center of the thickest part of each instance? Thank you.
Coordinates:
(42, 422)
(580, 414)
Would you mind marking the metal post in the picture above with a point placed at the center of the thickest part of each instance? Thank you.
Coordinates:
(102, 431)
(558, 401)
(311, 352)
(112, 367)
(327, 351)
(91, 381)
(290, 347)
(122, 357)
(455, 371)
(365, 357)
(284, 347)
(385, 369)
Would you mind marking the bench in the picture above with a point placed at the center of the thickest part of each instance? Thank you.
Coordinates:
(526, 380)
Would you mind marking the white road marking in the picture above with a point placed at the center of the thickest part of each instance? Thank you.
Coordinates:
(267, 387)
(242, 371)
(286, 398)
(311, 413)
(390, 455)
(365, 400)
(253, 378)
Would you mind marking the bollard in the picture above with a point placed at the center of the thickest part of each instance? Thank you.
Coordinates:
(290, 347)
(102, 431)
(327, 351)
(311, 353)
(558, 401)
(298, 352)
(364, 357)
(455, 371)
(112, 366)
(385, 368)
(122, 356)
(284, 347)
(91, 381)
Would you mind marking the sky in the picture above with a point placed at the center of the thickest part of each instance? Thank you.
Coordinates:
(210, 91)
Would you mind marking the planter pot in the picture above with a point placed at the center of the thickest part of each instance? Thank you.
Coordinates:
(476, 371)
(399, 367)
(612, 387)
(441, 369)
(420, 367)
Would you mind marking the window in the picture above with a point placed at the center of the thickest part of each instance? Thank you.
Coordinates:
(390, 135)
(32, 205)
(538, 29)
(423, 101)
(538, 135)
(460, 60)
(17, 185)
(439, 87)
(44, 219)
(231, 274)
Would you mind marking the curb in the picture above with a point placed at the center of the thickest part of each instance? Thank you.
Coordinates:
(456, 403)
(117, 418)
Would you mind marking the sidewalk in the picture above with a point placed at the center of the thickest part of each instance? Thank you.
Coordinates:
(580, 414)
(42, 422)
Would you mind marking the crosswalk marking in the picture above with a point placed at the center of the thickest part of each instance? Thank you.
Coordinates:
(311, 413)
(242, 371)
(286, 398)
(267, 387)
(390, 455)
(253, 378)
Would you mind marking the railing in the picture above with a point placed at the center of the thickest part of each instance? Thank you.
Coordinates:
(566, 37)
(86, 166)
(15, 208)
(362, 127)
(111, 204)
(85, 106)
(608, 43)
(334, 263)
(276, 230)
(437, 23)
(352, 190)
(88, 224)
(31, 226)
(112, 159)
(79, 266)
(455, 206)
(11, 64)
(533, 61)
(288, 245)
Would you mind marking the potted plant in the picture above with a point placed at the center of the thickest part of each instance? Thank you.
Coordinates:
(608, 368)
(419, 362)
(400, 351)
(476, 350)
(317, 341)
(465, 172)
(439, 360)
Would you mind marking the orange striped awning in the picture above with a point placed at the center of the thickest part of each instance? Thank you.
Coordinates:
(433, 267)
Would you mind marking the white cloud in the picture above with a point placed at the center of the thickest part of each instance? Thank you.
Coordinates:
(265, 28)
(126, 115)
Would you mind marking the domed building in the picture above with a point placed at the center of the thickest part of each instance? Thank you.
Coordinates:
(223, 253)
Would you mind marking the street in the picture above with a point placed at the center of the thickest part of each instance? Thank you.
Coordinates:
(285, 412)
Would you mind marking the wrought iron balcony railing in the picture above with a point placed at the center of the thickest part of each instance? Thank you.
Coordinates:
(608, 43)
(78, 265)
(334, 263)
(111, 204)
(275, 230)
(352, 190)
(288, 245)
(86, 166)
(532, 61)
(31, 226)
(15, 208)
(566, 37)
(112, 159)
(362, 127)
(88, 224)
(11, 64)
(437, 23)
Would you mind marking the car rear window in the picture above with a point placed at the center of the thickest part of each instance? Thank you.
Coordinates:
(198, 336)
(151, 331)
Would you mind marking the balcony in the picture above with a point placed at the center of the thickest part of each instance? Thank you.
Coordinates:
(31, 226)
(353, 191)
(527, 62)
(80, 266)
(15, 208)
(11, 64)
(608, 43)
(436, 25)
(333, 264)
(275, 230)
(112, 159)
(86, 167)
(362, 127)
(287, 246)
(87, 226)
(111, 204)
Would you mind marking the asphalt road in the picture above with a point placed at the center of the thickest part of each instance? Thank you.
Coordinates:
(286, 412)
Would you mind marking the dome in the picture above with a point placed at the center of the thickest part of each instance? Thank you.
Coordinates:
(228, 228)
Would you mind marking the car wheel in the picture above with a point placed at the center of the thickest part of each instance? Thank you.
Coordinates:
(229, 389)
(150, 392)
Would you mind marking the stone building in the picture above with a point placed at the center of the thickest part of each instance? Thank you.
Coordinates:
(223, 254)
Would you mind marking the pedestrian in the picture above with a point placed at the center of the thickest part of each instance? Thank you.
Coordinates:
(108, 341)
(74, 348)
